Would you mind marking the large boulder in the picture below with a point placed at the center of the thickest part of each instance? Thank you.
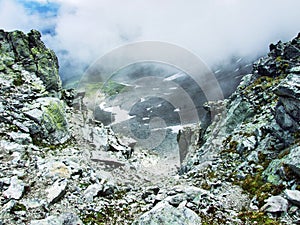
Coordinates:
(51, 119)
(288, 108)
(292, 160)
(163, 213)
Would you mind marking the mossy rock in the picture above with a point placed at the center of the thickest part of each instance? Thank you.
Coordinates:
(271, 173)
(54, 121)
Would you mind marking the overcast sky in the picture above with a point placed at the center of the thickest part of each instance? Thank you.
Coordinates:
(80, 31)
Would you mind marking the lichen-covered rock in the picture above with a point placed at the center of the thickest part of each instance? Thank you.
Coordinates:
(31, 53)
(54, 120)
(50, 116)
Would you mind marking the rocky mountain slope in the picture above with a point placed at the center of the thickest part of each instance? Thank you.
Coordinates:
(58, 166)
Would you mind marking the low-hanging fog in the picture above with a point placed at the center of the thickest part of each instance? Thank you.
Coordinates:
(215, 30)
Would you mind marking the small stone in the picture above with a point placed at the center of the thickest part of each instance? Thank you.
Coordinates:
(35, 114)
(92, 191)
(108, 190)
(8, 206)
(20, 138)
(15, 189)
(50, 220)
(11, 146)
(275, 204)
(295, 69)
(21, 126)
(57, 191)
(176, 199)
(293, 196)
(33, 203)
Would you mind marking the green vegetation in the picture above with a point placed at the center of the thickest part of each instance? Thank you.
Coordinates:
(256, 186)
(18, 207)
(112, 88)
(92, 88)
(18, 79)
(252, 217)
(109, 88)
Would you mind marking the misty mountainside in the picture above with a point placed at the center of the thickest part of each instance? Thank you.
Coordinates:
(61, 165)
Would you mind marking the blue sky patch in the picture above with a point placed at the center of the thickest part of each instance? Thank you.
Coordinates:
(47, 10)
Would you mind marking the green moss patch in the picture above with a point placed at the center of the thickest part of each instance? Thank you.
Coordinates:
(252, 217)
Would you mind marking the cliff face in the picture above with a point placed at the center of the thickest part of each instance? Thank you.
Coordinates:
(60, 167)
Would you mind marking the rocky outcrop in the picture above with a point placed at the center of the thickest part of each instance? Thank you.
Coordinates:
(30, 104)
(28, 53)
(254, 141)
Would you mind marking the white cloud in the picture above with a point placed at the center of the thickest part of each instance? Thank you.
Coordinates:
(212, 29)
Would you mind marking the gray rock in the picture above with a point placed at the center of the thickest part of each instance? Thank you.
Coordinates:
(295, 69)
(92, 191)
(21, 126)
(53, 168)
(163, 213)
(275, 204)
(64, 219)
(292, 160)
(33, 203)
(50, 220)
(284, 119)
(289, 92)
(293, 196)
(238, 112)
(105, 139)
(108, 190)
(49, 122)
(21, 138)
(187, 137)
(271, 173)
(6, 208)
(96, 135)
(176, 199)
(70, 219)
(35, 114)
(11, 146)
(56, 191)
(102, 158)
(15, 189)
